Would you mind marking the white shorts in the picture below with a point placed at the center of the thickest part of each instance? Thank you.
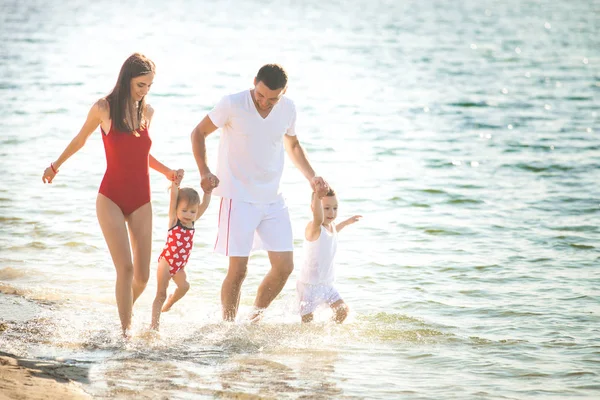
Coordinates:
(312, 296)
(245, 227)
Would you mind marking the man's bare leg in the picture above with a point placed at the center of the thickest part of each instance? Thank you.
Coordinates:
(282, 265)
(232, 285)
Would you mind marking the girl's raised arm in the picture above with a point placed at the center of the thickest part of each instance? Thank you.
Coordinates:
(313, 229)
(204, 205)
(173, 204)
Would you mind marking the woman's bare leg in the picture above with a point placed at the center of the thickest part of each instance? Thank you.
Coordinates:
(140, 234)
(112, 223)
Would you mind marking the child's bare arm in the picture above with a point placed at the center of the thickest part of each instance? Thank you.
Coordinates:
(204, 205)
(313, 229)
(349, 221)
(173, 204)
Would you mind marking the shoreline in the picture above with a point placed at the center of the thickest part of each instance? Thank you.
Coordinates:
(22, 378)
(30, 378)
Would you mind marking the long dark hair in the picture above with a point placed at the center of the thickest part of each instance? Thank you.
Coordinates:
(119, 98)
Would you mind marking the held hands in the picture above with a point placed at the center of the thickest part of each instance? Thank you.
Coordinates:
(175, 176)
(208, 182)
(179, 177)
(319, 186)
(49, 174)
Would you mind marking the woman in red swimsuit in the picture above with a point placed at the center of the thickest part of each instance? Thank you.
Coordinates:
(123, 204)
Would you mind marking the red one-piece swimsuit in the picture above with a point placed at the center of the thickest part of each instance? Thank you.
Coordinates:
(127, 180)
(178, 247)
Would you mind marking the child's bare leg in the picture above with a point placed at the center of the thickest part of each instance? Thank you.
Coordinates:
(341, 311)
(307, 317)
(162, 277)
(183, 286)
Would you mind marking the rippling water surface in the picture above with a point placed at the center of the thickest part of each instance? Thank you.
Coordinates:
(466, 133)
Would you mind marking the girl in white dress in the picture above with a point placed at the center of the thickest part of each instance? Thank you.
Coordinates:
(315, 284)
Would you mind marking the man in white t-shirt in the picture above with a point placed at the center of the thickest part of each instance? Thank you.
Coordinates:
(257, 125)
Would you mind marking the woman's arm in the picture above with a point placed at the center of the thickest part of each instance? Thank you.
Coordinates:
(163, 169)
(92, 121)
(153, 162)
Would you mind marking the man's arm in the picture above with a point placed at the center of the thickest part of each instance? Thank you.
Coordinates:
(298, 156)
(208, 181)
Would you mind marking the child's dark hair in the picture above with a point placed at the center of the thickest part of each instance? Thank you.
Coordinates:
(330, 193)
(188, 194)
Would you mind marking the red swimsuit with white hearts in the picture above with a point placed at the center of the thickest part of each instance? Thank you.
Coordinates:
(178, 247)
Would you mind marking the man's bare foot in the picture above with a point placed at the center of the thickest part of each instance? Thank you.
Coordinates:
(167, 306)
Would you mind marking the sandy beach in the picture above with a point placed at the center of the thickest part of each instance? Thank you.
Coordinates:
(466, 136)
(28, 378)
(31, 379)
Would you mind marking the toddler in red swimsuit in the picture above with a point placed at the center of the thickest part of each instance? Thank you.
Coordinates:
(185, 209)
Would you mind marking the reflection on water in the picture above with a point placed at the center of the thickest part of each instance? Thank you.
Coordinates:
(467, 136)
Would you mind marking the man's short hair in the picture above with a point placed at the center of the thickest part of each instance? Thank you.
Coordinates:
(273, 76)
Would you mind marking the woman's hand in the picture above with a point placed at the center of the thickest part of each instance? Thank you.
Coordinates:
(179, 178)
(49, 174)
(175, 176)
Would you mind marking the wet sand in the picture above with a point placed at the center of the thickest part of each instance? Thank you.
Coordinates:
(26, 378)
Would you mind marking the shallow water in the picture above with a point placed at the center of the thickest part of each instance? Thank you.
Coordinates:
(467, 136)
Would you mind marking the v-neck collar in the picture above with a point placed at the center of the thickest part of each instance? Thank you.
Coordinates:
(256, 108)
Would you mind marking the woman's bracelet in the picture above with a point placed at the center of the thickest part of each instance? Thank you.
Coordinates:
(53, 170)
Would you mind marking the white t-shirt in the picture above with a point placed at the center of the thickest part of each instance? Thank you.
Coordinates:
(318, 267)
(251, 152)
